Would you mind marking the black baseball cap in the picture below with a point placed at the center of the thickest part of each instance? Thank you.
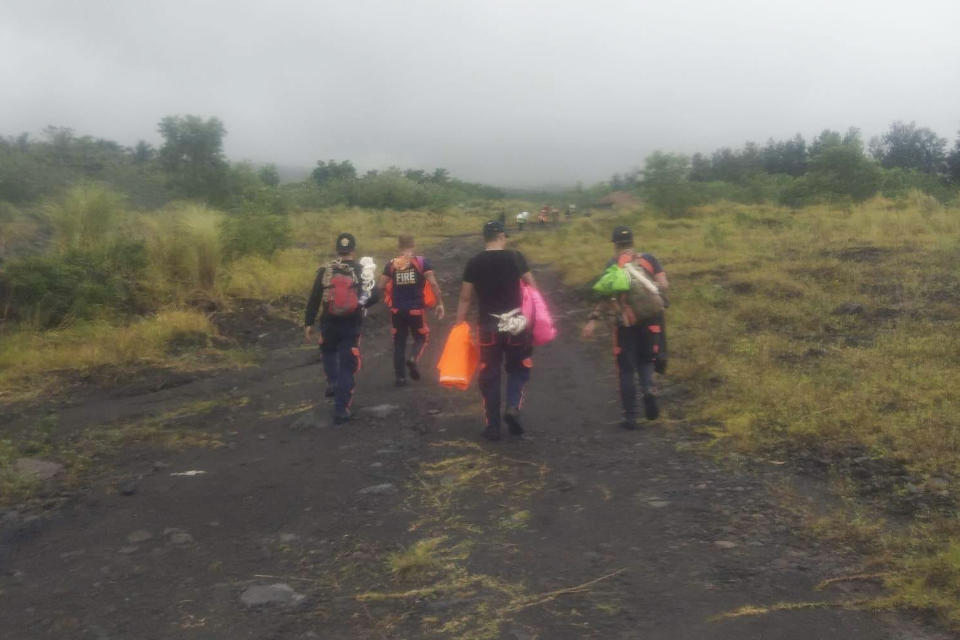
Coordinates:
(622, 235)
(346, 243)
(492, 229)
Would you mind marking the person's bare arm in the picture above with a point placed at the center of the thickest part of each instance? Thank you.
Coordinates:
(604, 306)
(466, 297)
(432, 281)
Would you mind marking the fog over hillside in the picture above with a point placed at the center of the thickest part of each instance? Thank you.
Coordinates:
(514, 93)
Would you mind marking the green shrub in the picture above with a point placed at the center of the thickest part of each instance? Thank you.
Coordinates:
(899, 183)
(46, 291)
(254, 234)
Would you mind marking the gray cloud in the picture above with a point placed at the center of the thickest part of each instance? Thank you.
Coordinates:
(510, 92)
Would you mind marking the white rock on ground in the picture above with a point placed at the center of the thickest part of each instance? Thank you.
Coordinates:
(138, 536)
(262, 594)
(381, 410)
(384, 489)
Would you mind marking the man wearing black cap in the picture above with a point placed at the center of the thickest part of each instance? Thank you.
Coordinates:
(339, 297)
(493, 277)
(636, 346)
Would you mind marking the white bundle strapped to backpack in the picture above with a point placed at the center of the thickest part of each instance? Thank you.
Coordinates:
(512, 322)
(368, 275)
(643, 300)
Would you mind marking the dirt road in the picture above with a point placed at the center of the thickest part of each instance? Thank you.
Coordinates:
(405, 524)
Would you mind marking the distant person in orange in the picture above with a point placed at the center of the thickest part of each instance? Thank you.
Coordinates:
(404, 281)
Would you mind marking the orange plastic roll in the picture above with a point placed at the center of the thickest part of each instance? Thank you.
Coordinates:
(459, 360)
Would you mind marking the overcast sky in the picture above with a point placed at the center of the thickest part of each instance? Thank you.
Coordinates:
(512, 92)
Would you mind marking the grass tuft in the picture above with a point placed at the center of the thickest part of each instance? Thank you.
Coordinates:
(27, 358)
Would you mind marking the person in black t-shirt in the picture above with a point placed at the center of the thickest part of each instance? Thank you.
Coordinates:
(636, 347)
(493, 277)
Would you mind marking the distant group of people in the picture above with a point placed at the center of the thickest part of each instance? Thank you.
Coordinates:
(547, 215)
(345, 287)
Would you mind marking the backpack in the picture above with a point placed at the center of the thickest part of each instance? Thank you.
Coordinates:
(429, 299)
(635, 291)
(642, 302)
(341, 289)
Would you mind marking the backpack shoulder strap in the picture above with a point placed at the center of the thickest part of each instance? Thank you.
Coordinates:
(646, 264)
(327, 270)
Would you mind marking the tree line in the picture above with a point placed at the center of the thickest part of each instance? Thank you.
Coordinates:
(832, 167)
(190, 164)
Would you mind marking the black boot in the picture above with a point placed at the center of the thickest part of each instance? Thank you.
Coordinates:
(512, 417)
(413, 369)
(650, 408)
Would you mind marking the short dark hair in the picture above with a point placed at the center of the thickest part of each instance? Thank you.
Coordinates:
(406, 242)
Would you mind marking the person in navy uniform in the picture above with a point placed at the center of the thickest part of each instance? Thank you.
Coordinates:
(405, 280)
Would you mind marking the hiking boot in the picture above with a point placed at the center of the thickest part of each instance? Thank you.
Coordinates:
(512, 417)
(660, 365)
(412, 368)
(650, 408)
(491, 433)
(341, 417)
(401, 382)
(630, 424)
(330, 392)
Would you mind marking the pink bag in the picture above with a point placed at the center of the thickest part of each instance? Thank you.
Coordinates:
(534, 308)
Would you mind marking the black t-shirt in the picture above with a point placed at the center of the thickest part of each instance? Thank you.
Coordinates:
(495, 276)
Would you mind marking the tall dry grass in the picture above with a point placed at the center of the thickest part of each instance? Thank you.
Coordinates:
(87, 217)
(186, 255)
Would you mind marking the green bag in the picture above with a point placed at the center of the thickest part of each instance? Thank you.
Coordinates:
(613, 281)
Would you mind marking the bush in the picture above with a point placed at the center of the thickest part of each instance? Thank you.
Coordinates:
(254, 234)
(898, 183)
(798, 194)
(47, 291)
(289, 273)
(389, 189)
